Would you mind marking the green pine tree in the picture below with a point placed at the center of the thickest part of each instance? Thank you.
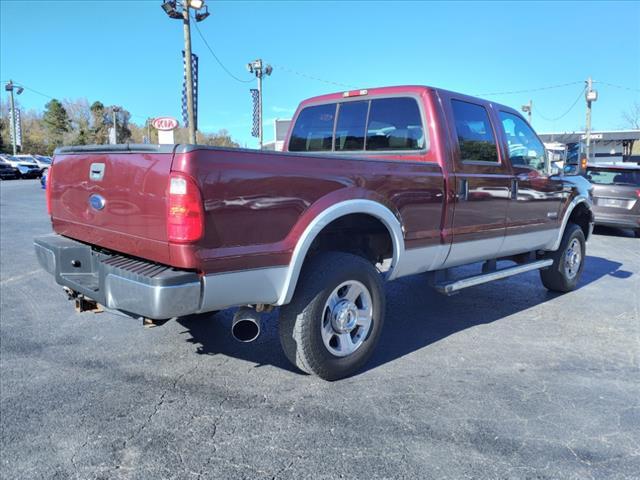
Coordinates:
(56, 122)
(99, 133)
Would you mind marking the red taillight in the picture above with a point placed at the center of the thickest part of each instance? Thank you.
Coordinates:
(638, 193)
(48, 188)
(185, 214)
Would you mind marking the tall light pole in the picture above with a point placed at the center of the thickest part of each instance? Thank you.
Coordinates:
(528, 109)
(590, 96)
(188, 71)
(171, 9)
(257, 67)
(114, 112)
(10, 87)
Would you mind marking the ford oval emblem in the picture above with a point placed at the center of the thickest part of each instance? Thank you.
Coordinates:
(96, 201)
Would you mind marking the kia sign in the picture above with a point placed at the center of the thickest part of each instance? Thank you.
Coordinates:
(165, 123)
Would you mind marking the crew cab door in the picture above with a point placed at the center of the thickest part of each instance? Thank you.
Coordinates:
(482, 182)
(536, 197)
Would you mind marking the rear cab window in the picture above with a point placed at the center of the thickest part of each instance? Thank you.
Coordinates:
(313, 131)
(392, 124)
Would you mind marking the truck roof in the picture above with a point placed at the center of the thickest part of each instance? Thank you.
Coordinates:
(391, 90)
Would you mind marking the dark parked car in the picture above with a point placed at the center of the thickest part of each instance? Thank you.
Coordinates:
(616, 195)
(26, 167)
(7, 171)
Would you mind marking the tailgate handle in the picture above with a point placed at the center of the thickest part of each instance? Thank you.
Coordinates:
(96, 171)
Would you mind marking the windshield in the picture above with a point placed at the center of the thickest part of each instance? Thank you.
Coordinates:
(613, 176)
(43, 159)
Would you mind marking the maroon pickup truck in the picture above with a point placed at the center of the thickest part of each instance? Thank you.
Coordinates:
(374, 185)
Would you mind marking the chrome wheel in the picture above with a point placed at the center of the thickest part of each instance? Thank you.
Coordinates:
(346, 318)
(573, 259)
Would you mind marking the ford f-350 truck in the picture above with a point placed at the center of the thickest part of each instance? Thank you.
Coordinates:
(415, 178)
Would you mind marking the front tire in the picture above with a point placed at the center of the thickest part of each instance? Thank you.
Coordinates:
(334, 321)
(568, 261)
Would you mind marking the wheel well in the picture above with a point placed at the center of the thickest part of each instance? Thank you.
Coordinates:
(360, 234)
(581, 216)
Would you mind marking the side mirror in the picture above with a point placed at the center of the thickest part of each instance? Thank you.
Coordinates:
(571, 169)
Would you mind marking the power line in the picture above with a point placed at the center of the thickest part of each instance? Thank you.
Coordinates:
(218, 60)
(311, 77)
(617, 86)
(565, 113)
(54, 98)
(34, 91)
(280, 67)
(530, 89)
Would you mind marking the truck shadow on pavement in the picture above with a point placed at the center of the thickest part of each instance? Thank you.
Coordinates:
(416, 317)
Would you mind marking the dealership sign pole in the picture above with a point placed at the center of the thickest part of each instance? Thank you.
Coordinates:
(165, 127)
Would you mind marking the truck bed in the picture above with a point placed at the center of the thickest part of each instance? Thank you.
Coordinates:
(256, 203)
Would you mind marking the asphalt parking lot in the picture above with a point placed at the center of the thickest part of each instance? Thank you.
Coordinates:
(501, 381)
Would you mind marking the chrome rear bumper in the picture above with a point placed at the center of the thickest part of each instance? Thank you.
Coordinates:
(122, 283)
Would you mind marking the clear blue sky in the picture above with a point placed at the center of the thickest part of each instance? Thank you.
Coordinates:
(129, 53)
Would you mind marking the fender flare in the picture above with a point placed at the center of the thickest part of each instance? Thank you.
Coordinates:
(574, 203)
(335, 211)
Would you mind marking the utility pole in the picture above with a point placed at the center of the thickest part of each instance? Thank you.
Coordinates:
(9, 87)
(171, 9)
(257, 67)
(528, 109)
(591, 96)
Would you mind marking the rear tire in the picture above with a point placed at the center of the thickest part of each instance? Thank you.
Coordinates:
(568, 261)
(334, 321)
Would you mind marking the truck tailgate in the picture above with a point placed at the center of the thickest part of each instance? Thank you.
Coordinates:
(115, 199)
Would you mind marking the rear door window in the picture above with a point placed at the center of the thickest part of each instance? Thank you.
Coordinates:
(313, 131)
(476, 139)
(395, 124)
(351, 126)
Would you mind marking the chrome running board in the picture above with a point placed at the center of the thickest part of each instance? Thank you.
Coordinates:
(449, 288)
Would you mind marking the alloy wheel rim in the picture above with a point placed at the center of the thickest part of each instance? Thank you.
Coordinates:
(346, 318)
(573, 258)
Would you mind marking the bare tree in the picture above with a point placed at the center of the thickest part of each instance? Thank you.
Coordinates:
(631, 117)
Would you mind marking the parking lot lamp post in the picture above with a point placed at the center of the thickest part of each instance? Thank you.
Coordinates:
(114, 111)
(256, 67)
(172, 10)
(10, 87)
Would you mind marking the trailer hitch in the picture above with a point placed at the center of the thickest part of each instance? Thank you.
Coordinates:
(82, 303)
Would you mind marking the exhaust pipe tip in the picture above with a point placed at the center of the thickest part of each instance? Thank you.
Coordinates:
(246, 325)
